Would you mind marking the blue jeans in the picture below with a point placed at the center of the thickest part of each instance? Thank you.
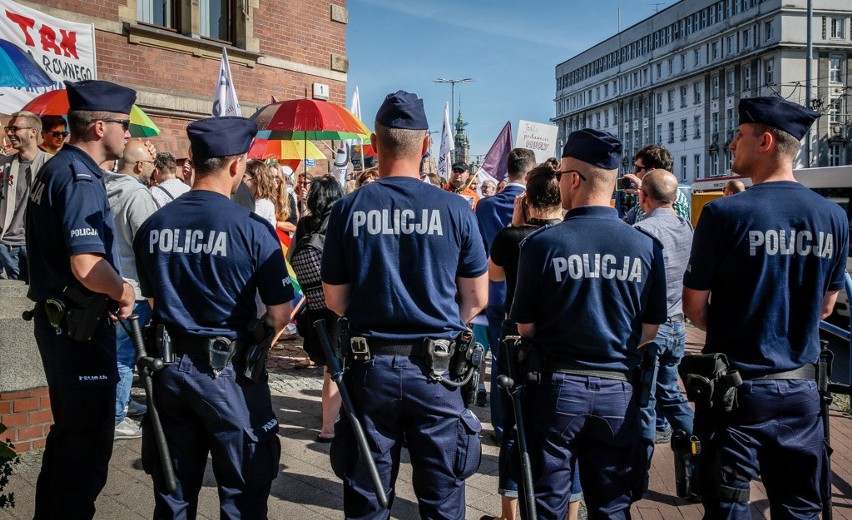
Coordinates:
(13, 260)
(126, 356)
(667, 401)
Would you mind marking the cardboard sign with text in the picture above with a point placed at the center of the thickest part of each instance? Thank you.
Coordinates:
(538, 137)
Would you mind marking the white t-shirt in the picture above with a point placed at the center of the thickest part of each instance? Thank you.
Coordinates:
(266, 209)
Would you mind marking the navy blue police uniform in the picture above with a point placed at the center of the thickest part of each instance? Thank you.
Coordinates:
(588, 296)
(69, 214)
(203, 274)
(768, 256)
(400, 244)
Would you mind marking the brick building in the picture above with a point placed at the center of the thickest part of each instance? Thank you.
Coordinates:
(169, 51)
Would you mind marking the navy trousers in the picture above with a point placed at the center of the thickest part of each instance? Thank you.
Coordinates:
(776, 432)
(81, 378)
(591, 420)
(394, 397)
(229, 417)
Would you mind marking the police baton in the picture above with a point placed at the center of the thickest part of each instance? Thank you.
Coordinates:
(147, 367)
(826, 358)
(507, 382)
(335, 370)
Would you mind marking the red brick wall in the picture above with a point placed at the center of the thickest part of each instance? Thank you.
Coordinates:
(295, 30)
(27, 417)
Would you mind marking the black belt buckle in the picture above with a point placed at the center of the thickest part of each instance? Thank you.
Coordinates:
(359, 349)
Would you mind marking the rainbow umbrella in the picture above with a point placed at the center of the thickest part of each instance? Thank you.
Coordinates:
(282, 149)
(19, 69)
(55, 103)
(308, 119)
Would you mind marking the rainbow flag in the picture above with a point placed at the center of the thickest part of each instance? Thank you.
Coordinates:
(285, 240)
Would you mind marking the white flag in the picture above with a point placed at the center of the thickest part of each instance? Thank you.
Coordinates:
(355, 108)
(447, 146)
(225, 101)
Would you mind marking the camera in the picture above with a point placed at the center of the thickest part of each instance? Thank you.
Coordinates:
(623, 183)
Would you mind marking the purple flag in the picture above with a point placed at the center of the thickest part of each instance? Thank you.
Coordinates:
(495, 159)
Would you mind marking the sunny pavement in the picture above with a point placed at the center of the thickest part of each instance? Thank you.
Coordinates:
(306, 488)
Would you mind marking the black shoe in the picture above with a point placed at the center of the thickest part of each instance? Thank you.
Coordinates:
(481, 398)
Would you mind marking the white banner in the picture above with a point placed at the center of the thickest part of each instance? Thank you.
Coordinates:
(538, 137)
(447, 146)
(225, 102)
(63, 49)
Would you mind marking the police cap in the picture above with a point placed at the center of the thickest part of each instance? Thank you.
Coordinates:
(99, 96)
(402, 110)
(598, 148)
(220, 136)
(461, 166)
(778, 113)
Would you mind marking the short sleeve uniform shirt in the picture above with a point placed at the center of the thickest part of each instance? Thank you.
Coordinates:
(400, 243)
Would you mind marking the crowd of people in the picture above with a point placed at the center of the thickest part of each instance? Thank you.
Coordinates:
(399, 264)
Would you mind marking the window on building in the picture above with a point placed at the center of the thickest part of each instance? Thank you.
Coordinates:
(714, 164)
(729, 160)
(637, 108)
(683, 95)
(714, 50)
(659, 103)
(696, 58)
(768, 31)
(834, 64)
(659, 133)
(731, 44)
(746, 77)
(606, 90)
(696, 92)
(598, 120)
(682, 62)
(683, 130)
(636, 140)
(837, 28)
(683, 167)
(714, 86)
(769, 72)
(729, 119)
(697, 122)
(615, 116)
(712, 14)
(671, 131)
(646, 135)
(835, 154)
(670, 66)
(730, 84)
(714, 122)
(659, 70)
(671, 95)
(162, 13)
(747, 39)
(626, 140)
(216, 17)
(835, 109)
(720, 11)
(696, 160)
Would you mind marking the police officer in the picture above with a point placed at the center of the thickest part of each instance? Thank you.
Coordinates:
(404, 262)
(587, 302)
(772, 260)
(74, 266)
(202, 258)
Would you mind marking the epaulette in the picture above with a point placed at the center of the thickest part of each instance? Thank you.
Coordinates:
(80, 172)
(646, 232)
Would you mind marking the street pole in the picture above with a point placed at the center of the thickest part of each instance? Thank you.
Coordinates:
(809, 53)
(452, 83)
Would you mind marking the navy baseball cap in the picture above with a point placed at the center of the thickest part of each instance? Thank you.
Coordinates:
(601, 149)
(460, 166)
(778, 113)
(220, 136)
(99, 96)
(402, 110)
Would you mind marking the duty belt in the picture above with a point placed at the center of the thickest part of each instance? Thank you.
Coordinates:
(807, 372)
(676, 318)
(188, 344)
(392, 347)
(564, 367)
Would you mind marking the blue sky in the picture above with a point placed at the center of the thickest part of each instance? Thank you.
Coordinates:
(509, 48)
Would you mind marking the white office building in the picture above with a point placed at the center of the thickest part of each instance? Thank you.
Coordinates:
(676, 78)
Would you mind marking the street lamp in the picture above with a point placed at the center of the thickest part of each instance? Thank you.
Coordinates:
(452, 83)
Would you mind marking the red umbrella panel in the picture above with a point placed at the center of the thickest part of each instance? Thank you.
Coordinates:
(308, 119)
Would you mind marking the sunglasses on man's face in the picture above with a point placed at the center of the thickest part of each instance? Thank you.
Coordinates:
(59, 134)
(125, 123)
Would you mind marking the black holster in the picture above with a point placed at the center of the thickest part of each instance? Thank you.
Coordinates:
(529, 362)
(158, 342)
(710, 381)
(254, 361)
(79, 311)
(647, 373)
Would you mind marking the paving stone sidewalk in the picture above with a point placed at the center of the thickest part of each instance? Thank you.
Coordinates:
(306, 488)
